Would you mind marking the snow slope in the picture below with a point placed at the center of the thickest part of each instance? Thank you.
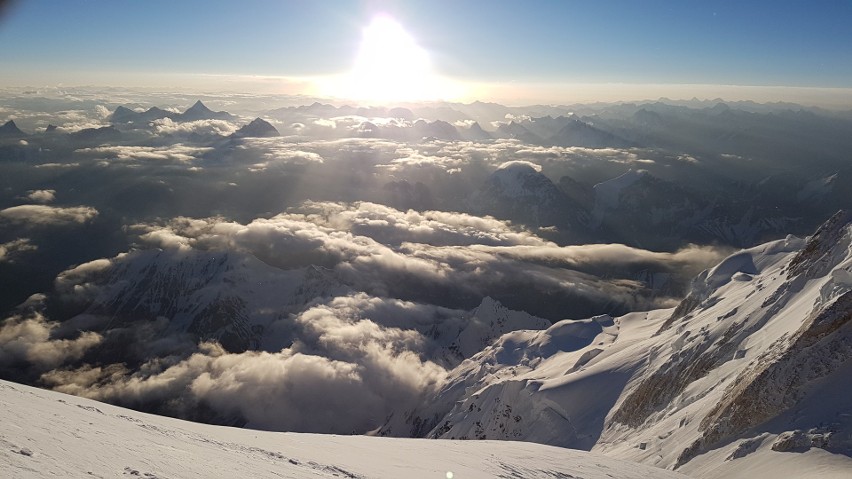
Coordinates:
(48, 434)
(749, 371)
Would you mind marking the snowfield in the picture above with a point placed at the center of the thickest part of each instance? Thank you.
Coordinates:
(49, 434)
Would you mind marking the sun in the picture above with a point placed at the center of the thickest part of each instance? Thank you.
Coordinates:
(391, 67)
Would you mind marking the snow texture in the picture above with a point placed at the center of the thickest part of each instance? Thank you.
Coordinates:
(749, 372)
(48, 434)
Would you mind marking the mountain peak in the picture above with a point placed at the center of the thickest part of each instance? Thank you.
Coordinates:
(11, 130)
(122, 110)
(199, 107)
(199, 111)
(820, 248)
(258, 128)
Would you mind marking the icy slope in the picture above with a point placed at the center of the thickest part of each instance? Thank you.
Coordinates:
(752, 364)
(47, 434)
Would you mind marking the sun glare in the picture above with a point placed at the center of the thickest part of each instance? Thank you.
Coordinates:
(390, 66)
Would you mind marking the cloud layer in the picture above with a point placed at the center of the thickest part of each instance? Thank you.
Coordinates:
(420, 255)
(41, 215)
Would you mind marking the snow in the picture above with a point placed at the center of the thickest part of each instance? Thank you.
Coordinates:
(48, 434)
(767, 335)
(764, 463)
(520, 179)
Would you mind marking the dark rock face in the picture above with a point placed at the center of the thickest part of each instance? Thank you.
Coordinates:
(258, 128)
(10, 130)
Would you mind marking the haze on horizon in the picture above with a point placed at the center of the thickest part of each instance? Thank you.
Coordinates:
(382, 51)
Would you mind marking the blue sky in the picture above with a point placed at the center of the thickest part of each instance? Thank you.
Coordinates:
(792, 43)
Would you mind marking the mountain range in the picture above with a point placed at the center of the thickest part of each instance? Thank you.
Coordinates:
(442, 271)
(198, 111)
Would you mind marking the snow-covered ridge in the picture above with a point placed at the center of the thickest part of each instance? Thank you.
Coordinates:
(746, 368)
(48, 434)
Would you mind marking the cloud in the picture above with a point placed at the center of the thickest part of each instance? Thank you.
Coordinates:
(177, 153)
(464, 123)
(688, 260)
(167, 126)
(41, 196)
(28, 338)
(70, 121)
(333, 364)
(417, 159)
(77, 283)
(512, 163)
(282, 391)
(355, 358)
(378, 353)
(431, 255)
(328, 123)
(388, 225)
(57, 165)
(48, 215)
(12, 248)
(102, 111)
(278, 150)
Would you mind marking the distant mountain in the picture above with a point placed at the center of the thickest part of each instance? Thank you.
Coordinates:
(474, 133)
(258, 128)
(519, 193)
(199, 111)
(517, 131)
(122, 114)
(641, 209)
(101, 135)
(125, 116)
(229, 297)
(10, 130)
(402, 195)
(437, 129)
(235, 299)
(402, 113)
(580, 133)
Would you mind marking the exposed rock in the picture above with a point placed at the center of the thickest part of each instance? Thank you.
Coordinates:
(258, 128)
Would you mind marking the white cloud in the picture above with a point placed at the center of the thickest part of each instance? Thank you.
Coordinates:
(512, 163)
(175, 153)
(342, 374)
(28, 339)
(77, 283)
(102, 111)
(41, 196)
(48, 215)
(57, 165)
(200, 127)
(14, 247)
(387, 252)
(464, 123)
(325, 123)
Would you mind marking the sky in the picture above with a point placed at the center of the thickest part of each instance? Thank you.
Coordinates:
(487, 48)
